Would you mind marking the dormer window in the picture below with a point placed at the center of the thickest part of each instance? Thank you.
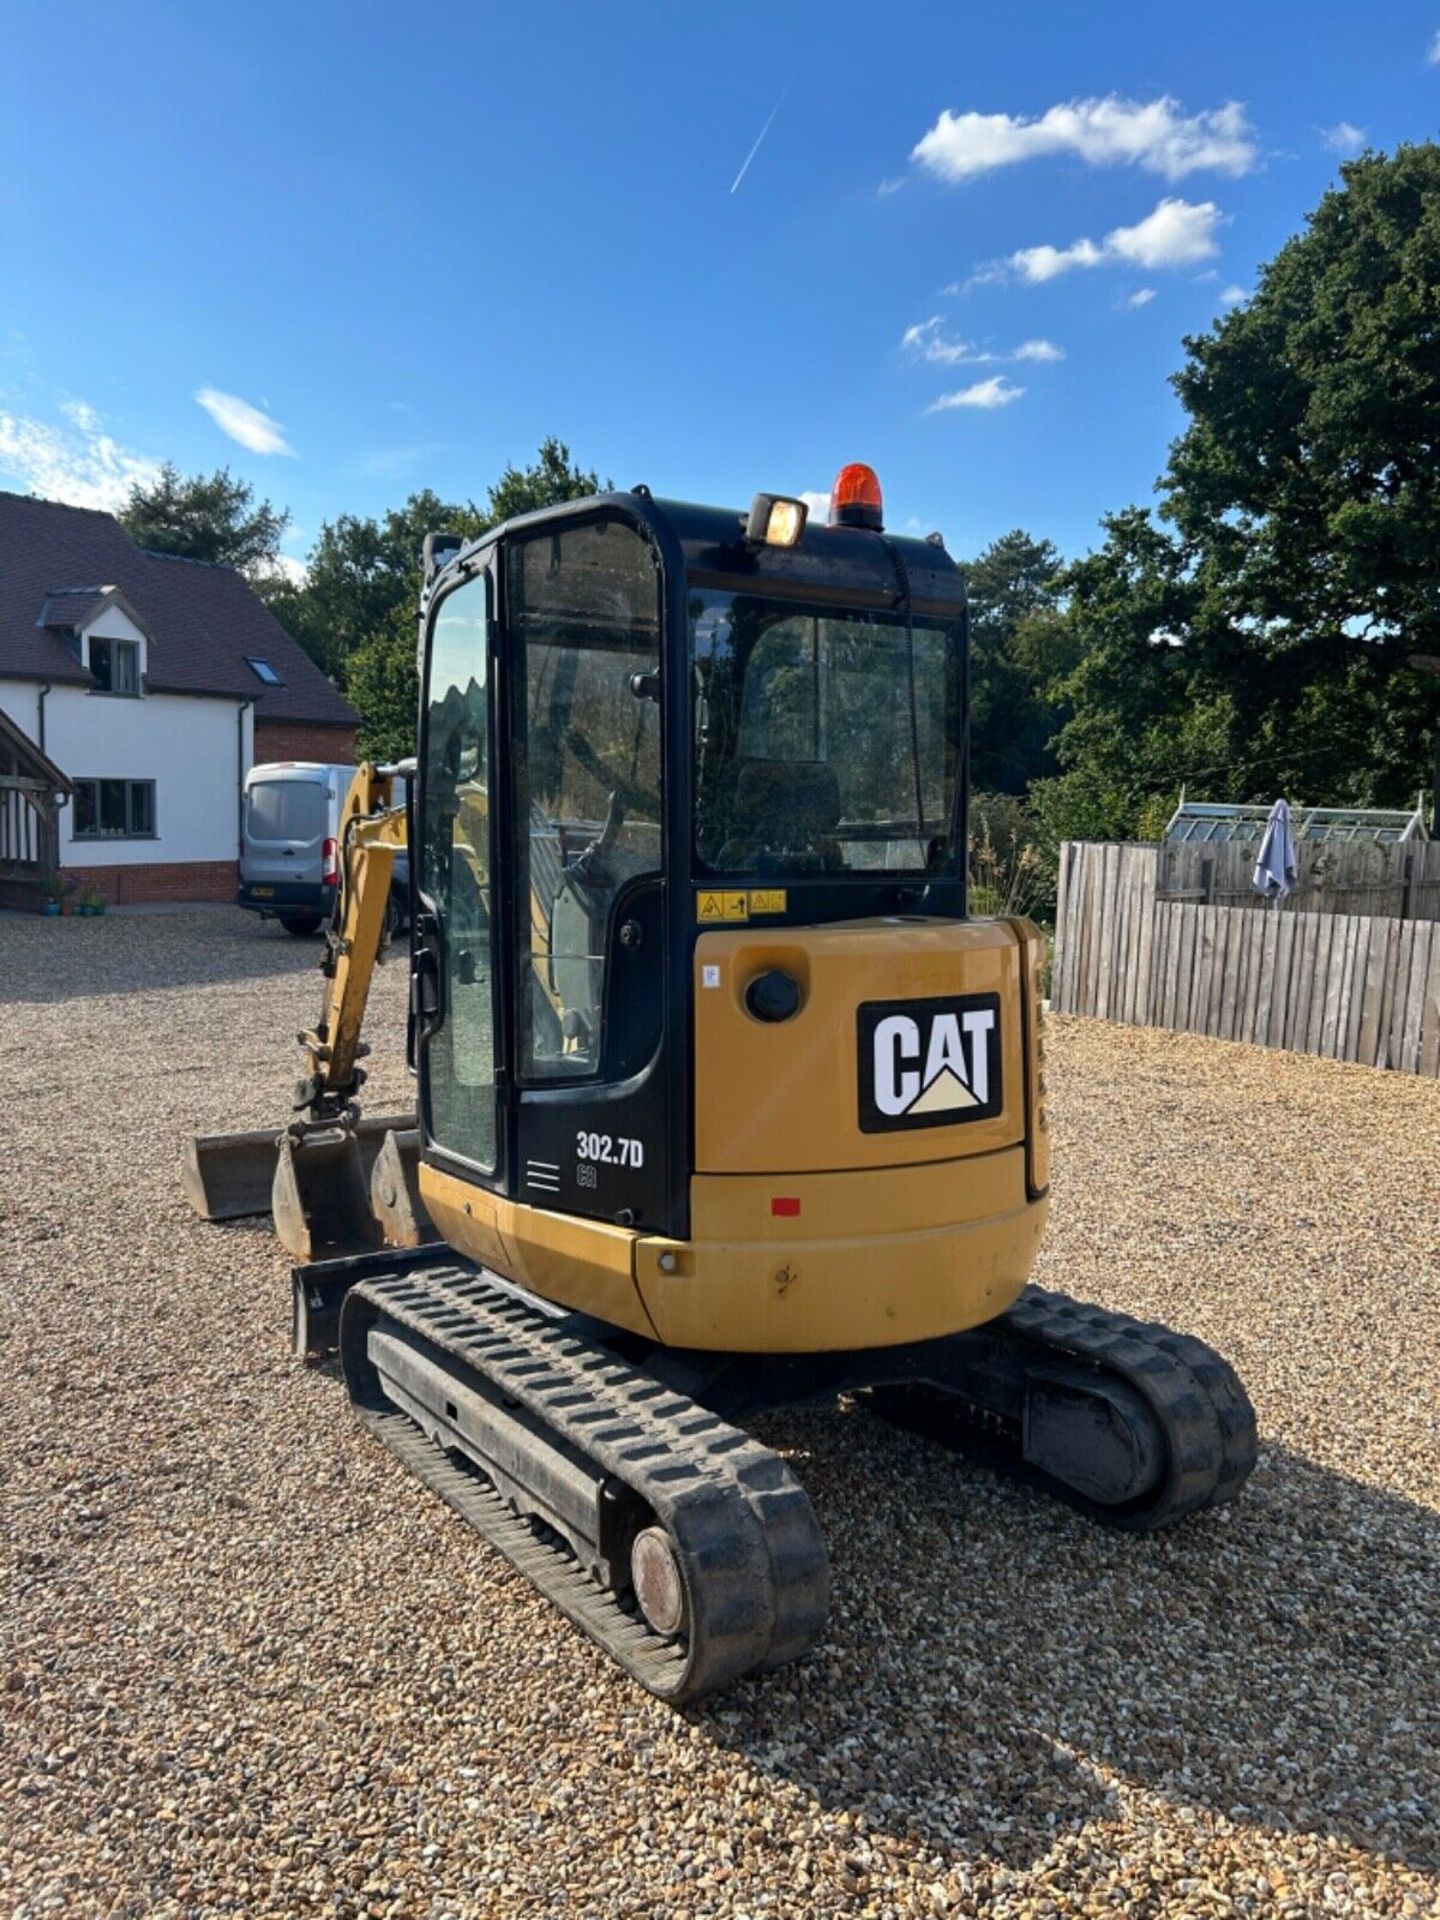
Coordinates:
(263, 670)
(115, 665)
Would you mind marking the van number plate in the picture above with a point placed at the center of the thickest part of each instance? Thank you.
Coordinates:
(263, 893)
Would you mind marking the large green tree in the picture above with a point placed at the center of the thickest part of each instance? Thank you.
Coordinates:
(362, 571)
(1256, 638)
(207, 517)
(356, 613)
(1020, 652)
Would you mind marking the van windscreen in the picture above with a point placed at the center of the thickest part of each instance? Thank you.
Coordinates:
(286, 810)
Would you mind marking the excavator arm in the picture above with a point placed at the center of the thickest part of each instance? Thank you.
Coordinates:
(335, 1183)
(373, 829)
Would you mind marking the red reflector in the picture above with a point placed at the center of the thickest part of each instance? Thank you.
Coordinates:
(786, 1208)
(329, 870)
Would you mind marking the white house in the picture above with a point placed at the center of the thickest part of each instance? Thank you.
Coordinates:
(153, 684)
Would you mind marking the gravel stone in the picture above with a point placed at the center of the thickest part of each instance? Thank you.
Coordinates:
(248, 1668)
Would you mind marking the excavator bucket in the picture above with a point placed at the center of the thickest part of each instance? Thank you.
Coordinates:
(228, 1176)
(321, 1199)
(318, 1191)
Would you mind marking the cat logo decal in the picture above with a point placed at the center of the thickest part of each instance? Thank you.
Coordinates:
(929, 1063)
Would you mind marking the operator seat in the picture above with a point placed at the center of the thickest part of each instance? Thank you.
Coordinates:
(784, 810)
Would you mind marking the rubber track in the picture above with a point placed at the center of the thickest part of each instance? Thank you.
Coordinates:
(754, 1561)
(1196, 1396)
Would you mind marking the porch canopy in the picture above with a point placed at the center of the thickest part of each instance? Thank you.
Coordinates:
(32, 791)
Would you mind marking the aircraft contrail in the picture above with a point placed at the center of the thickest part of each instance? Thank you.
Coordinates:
(745, 167)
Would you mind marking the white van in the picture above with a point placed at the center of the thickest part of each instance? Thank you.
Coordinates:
(288, 842)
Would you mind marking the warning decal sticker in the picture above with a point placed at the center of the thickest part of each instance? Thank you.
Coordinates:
(715, 909)
(718, 909)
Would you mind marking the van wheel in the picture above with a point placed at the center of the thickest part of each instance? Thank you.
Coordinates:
(300, 922)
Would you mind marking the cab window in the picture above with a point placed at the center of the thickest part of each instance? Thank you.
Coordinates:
(584, 631)
(826, 742)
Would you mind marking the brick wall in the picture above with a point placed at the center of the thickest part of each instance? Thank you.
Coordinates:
(298, 740)
(150, 881)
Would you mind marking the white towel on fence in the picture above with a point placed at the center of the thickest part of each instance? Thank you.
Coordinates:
(1276, 868)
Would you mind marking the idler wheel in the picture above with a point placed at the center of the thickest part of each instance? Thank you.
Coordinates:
(658, 1582)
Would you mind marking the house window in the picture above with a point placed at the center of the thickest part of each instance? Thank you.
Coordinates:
(115, 665)
(263, 670)
(114, 809)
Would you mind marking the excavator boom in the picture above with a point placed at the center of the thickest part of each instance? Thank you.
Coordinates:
(335, 1183)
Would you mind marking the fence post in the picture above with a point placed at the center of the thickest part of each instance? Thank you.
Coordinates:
(1406, 893)
(1207, 881)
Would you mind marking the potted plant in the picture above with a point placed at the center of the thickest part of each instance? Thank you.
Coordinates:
(68, 891)
(92, 901)
(52, 889)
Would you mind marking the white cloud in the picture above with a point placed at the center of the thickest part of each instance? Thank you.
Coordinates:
(892, 185)
(928, 339)
(1232, 296)
(1432, 54)
(81, 414)
(818, 503)
(1047, 262)
(292, 571)
(1043, 351)
(1141, 297)
(244, 424)
(80, 464)
(997, 391)
(1343, 137)
(1177, 234)
(1112, 132)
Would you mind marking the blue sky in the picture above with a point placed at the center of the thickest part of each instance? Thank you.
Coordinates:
(354, 251)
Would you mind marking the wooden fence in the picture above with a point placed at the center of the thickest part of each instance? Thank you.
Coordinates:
(1350, 985)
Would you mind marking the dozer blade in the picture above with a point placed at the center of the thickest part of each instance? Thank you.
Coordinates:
(395, 1192)
(230, 1176)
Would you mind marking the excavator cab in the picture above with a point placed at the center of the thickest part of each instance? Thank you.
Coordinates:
(725, 1102)
(690, 817)
(645, 725)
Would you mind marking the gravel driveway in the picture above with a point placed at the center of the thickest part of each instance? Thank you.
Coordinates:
(248, 1668)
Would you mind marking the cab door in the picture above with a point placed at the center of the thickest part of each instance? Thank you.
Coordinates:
(587, 857)
(454, 945)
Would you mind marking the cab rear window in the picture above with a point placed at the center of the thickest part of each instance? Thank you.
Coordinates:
(286, 810)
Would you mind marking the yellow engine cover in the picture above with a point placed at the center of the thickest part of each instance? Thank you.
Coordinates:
(870, 1171)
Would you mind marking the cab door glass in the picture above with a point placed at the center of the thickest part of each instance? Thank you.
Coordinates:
(584, 622)
(459, 1057)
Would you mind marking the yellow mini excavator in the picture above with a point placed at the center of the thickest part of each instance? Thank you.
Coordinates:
(725, 1104)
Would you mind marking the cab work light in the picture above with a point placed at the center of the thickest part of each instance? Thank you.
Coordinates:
(855, 499)
(775, 521)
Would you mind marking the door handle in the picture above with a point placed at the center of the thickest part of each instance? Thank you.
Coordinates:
(425, 985)
(425, 1002)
